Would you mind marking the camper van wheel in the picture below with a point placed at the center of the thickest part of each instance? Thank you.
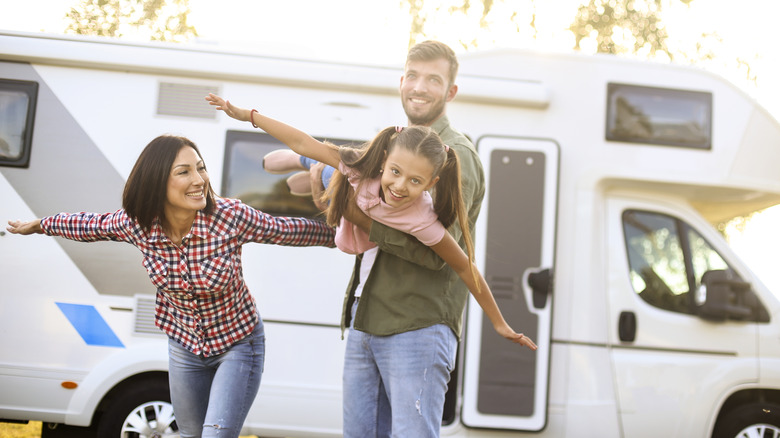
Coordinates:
(139, 411)
(753, 420)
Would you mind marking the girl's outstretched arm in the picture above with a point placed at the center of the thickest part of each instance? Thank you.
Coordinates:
(453, 254)
(295, 139)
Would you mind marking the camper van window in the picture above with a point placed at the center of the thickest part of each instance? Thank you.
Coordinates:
(661, 116)
(17, 113)
(243, 176)
(667, 259)
(703, 257)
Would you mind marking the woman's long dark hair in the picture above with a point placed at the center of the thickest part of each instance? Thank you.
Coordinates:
(147, 186)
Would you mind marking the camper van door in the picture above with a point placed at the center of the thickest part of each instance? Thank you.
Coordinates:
(672, 367)
(505, 386)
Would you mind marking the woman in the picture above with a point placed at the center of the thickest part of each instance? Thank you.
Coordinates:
(191, 242)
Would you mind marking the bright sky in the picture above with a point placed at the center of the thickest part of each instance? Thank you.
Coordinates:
(377, 31)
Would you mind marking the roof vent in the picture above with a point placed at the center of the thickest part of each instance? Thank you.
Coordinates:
(185, 100)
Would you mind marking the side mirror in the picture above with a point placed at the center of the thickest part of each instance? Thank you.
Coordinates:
(721, 297)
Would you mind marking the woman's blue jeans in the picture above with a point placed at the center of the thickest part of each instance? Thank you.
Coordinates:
(211, 396)
(395, 385)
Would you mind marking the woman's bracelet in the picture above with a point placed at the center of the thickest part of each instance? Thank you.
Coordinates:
(251, 119)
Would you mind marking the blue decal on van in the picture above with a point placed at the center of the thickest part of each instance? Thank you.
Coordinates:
(90, 325)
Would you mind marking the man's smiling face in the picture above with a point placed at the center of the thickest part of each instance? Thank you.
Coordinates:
(425, 90)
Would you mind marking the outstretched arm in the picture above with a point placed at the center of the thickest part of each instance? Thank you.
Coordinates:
(453, 254)
(24, 228)
(295, 139)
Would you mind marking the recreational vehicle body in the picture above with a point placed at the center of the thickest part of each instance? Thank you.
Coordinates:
(604, 179)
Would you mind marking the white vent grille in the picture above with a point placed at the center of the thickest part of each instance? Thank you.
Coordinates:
(186, 100)
(144, 315)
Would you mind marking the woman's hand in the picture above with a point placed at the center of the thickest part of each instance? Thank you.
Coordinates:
(517, 338)
(231, 110)
(24, 228)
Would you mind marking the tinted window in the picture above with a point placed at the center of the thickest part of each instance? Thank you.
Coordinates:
(17, 113)
(667, 259)
(659, 116)
(244, 177)
(703, 257)
(656, 260)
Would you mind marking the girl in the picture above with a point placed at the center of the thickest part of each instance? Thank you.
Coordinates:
(391, 177)
(191, 242)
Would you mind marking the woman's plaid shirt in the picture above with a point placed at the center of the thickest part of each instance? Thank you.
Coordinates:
(202, 300)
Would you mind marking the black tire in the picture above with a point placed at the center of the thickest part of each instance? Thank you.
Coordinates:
(752, 420)
(143, 410)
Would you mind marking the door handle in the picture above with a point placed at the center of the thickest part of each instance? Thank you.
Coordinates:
(541, 283)
(627, 326)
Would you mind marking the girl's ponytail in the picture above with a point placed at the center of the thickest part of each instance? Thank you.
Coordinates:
(369, 162)
(449, 204)
(448, 190)
(337, 197)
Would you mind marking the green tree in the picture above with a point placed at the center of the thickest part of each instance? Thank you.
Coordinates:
(157, 20)
(418, 20)
(636, 27)
(447, 8)
(623, 26)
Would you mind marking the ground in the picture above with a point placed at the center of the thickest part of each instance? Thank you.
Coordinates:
(31, 430)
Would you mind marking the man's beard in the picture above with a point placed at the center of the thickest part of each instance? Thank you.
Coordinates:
(427, 118)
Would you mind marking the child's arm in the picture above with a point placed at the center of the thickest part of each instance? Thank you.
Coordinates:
(453, 254)
(295, 139)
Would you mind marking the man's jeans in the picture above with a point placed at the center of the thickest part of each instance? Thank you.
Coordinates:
(211, 396)
(395, 385)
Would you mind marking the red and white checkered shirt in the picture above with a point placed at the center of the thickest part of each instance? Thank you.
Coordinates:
(203, 302)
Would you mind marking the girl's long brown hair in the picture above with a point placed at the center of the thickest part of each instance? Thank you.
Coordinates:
(369, 159)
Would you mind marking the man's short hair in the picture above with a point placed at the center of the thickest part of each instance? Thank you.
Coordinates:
(431, 51)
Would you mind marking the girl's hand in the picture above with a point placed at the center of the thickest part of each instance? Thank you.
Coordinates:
(517, 338)
(231, 110)
(24, 228)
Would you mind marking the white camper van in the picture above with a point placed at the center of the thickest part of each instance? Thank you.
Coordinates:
(604, 178)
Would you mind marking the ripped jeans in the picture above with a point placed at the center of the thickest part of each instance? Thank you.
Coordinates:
(395, 385)
(211, 396)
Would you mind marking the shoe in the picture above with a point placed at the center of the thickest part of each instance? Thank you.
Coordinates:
(299, 184)
(282, 161)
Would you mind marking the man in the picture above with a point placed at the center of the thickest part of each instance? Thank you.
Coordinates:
(405, 325)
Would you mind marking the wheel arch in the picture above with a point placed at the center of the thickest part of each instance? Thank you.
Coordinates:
(146, 378)
(103, 381)
(744, 397)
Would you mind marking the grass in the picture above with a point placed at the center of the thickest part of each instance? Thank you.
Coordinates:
(32, 430)
(13, 430)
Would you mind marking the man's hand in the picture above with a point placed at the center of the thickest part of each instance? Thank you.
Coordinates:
(317, 189)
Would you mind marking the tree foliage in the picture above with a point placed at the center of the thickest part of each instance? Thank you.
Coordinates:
(632, 22)
(418, 20)
(622, 26)
(419, 16)
(158, 20)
